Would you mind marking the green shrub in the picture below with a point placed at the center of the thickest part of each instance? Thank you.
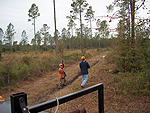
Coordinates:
(115, 79)
(99, 50)
(51, 51)
(111, 57)
(134, 92)
(8, 72)
(71, 58)
(24, 72)
(84, 51)
(25, 68)
(144, 91)
(26, 60)
(61, 47)
(136, 84)
(35, 69)
(129, 56)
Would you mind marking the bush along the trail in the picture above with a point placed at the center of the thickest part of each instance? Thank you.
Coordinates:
(133, 61)
(28, 67)
(132, 83)
(74, 57)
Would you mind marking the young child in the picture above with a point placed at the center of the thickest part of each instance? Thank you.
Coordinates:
(62, 75)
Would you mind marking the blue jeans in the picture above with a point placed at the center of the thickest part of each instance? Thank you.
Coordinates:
(84, 79)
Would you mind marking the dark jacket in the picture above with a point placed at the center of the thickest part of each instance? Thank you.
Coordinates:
(84, 67)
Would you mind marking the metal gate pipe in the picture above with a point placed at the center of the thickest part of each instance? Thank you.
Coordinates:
(52, 103)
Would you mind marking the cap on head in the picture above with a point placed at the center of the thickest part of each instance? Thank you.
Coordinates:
(60, 65)
(1, 99)
(83, 57)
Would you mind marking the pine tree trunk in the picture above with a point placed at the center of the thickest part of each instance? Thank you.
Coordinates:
(34, 36)
(91, 32)
(81, 31)
(99, 40)
(55, 26)
(132, 5)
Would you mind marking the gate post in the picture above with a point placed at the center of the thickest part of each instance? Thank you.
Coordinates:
(101, 100)
(15, 104)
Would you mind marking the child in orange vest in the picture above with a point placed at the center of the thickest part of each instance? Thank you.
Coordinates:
(62, 75)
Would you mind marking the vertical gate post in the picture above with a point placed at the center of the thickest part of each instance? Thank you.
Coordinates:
(101, 100)
(15, 104)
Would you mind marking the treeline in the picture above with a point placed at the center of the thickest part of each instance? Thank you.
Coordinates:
(68, 43)
(43, 40)
(45, 43)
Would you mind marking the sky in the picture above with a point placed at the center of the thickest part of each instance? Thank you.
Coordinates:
(16, 12)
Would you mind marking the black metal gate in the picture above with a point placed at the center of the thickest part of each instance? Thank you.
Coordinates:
(20, 97)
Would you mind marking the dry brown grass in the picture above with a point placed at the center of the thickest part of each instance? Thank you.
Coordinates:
(40, 90)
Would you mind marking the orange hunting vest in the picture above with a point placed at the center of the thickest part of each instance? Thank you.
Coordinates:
(60, 73)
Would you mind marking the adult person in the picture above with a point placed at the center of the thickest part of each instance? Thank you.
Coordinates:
(62, 75)
(84, 65)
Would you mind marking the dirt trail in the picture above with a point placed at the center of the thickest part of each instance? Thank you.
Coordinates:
(73, 72)
(41, 88)
(46, 88)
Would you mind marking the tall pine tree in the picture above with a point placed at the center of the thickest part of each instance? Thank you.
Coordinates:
(33, 13)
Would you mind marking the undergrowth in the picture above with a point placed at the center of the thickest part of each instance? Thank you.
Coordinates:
(132, 67)
(15, 68)
(132, 83)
